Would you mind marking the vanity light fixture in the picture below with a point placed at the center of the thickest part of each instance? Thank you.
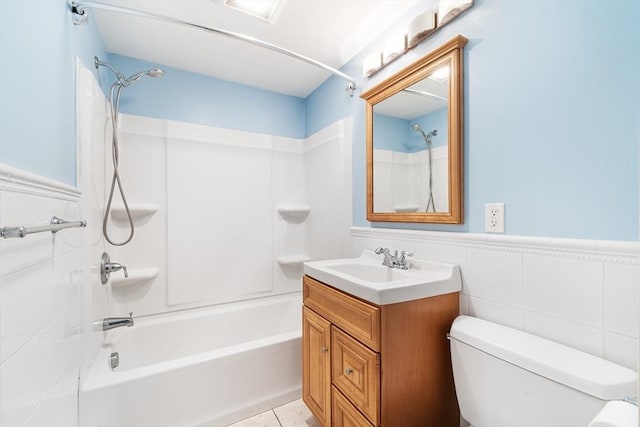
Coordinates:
(420, 28)
(262, 9)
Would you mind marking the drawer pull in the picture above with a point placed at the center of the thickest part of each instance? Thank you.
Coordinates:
(348, 371)
(325, 349)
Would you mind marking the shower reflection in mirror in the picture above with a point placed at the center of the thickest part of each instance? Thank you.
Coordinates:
(410, 153)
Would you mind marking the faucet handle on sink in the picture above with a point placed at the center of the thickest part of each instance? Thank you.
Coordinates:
(402, 262)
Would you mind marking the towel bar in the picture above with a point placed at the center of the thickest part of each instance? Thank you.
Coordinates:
(56, 224)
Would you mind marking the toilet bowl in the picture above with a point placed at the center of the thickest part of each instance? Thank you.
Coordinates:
(508, 378)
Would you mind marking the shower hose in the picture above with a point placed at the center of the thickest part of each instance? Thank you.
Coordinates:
(116, 89)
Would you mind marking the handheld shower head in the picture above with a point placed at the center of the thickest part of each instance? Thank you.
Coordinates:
(124, 81)
(156, 72)
(427, 137)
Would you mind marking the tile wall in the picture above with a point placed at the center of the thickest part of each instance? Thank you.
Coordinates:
(39, 310)
(582, 293)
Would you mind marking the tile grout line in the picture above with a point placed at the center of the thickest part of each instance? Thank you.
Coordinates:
(276, 415)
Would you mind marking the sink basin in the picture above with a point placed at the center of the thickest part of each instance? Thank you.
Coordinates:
(365, 277)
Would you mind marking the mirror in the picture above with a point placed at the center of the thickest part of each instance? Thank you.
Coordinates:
(414, 141)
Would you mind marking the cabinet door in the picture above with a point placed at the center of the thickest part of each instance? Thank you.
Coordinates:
(344, 414)
(316, 365)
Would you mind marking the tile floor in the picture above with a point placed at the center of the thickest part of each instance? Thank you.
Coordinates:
(294, 414)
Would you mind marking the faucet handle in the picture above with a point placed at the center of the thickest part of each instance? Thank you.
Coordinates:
(403, 261)
(381, 250)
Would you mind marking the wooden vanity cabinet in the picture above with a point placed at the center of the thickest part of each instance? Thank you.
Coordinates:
(316, 362)
(367, 366)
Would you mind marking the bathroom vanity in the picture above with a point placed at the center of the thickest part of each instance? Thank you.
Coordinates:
(377, 364)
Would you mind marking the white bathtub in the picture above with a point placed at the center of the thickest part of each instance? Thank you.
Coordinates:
(199, 368)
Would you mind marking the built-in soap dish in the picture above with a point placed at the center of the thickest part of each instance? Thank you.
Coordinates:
(292, 260)
(294, 213)
(406, 208)
(138, 211)
(136, 275)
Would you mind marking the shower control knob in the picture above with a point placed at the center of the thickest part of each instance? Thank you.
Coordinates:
(107, 267)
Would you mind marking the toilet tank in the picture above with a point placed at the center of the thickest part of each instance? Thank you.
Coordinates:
(508, 378)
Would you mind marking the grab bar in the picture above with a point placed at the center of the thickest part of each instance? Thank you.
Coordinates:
(56, 224)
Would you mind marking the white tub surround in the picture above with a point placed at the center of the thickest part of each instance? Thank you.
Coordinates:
(202, 187)
(93, 129)
(193, 191)
(39, 311)
(581, 293)
(401, 180)
(201, 367)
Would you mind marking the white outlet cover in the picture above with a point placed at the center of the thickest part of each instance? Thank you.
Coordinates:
(494, 217)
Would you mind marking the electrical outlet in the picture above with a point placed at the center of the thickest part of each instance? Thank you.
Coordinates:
(494, 218)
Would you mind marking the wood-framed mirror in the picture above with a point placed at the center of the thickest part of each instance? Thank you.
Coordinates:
(414, 141)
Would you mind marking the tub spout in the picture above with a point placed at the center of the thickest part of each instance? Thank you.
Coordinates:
(117, 322)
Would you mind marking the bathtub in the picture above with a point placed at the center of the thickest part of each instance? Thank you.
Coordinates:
(206, 367)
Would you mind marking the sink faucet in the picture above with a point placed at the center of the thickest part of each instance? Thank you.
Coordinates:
(117, 322)
(393, 261)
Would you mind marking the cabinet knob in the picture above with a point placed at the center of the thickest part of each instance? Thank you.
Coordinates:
(348, 371)
(325, 349)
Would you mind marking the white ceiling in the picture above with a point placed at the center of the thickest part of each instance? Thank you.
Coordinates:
(329, 31)
(409, 106)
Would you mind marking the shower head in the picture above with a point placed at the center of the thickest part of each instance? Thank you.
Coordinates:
(124, 81)
(156, 72)
(427, 137)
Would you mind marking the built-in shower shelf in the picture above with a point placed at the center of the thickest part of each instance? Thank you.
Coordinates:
(294, 213)
(136, 275)
(138, 211)
(406, 208)
(293, 260)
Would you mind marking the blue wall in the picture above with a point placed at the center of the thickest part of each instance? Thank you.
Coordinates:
(391, 133)
(196, 98)
(435, 120)
(551, 107)
(38, 43)
(395, 134)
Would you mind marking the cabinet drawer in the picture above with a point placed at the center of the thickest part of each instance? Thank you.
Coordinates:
(358, 318)
(344, 414)
(355, 371)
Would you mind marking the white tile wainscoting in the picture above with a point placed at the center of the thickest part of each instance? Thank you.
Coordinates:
(39, 310)
(582, 293)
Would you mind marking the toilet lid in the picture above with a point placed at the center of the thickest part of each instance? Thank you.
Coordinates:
(573, 368)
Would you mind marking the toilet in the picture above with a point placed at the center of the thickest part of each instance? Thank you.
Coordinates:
(508, 378)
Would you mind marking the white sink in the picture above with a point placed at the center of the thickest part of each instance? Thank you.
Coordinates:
(366, 278)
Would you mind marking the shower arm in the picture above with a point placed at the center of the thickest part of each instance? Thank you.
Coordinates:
(80, 17)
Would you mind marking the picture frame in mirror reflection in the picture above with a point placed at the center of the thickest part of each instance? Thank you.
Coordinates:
(415, 142)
